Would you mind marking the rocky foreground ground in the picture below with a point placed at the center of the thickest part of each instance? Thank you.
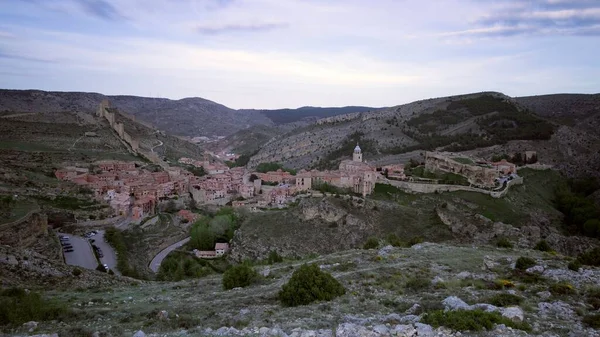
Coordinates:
(389, 292)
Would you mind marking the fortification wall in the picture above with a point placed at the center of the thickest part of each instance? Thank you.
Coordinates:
(24, 232)
(413, 187)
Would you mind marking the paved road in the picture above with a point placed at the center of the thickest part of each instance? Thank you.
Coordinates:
(82, 254)
(110, 258)
(157, 260)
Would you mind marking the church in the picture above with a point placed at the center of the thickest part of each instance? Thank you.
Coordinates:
(354, 174)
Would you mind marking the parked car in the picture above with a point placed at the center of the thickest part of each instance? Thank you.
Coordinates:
(106, 267)
(65, 244)
(70, 250)
(91, 240)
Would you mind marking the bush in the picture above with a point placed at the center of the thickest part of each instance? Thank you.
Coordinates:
(504, 243)
(395, 241)
(543, 246)
(592, 320)
(415, 240)
(470, 320)
(76, 272)
(18, 307)
(418, 283)
(239, 276)
(593, 298)
(309, 284)
(505, 300)
(524, 263)
(372, 243)
(274, 257)
(562, 288)
(574, 265)
(590, 258)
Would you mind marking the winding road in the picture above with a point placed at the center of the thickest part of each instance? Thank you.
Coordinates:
(155, 146)
(157, 260)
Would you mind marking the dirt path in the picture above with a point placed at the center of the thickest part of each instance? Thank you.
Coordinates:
(20, 115)
(155, 146)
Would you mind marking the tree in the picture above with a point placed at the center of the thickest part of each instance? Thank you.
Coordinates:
(239, 276)
(201, 237)
(517, 159)
(309, 284)
(592, 228)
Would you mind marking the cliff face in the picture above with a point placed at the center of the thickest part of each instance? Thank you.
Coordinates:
(25, 232)
(32, 233)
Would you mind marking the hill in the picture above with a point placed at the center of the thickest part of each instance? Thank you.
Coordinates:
(188, 117)
(283, 116)
(491, 122)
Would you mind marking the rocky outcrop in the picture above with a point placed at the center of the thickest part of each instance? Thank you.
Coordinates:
(340, 224)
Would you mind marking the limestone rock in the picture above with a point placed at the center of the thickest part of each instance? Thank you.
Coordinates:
(535, 269)
(424, 330)
(515, 314)
(381, 329)
(558, 309)
(404, 330)
(454, 303)
(139, 333)
(385, 251)
(163, 315)
(31, 325)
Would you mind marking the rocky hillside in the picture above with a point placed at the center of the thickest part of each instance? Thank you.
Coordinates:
(525, 216)
(457, 123)
(425, 290)
(189, 116)
(284, 116)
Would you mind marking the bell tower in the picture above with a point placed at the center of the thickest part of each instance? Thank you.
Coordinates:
(357, 155)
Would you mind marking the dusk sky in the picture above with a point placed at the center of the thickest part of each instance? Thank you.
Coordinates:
(291, 53)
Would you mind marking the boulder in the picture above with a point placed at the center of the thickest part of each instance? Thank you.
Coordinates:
(558, 309)
(403, 330)
(381, 329)
(454, 303)
(515, 314)
(424, 330)
(31, 325)
(385, 251)
(139, 333)
(163, 315)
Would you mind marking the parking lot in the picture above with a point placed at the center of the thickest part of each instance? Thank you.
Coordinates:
(82, 254)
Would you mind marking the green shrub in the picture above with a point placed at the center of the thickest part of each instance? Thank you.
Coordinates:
(395, 241)
(574, 265)
(372, 243)
(18, 307)
(239, 276)
(274, 257)
(504, 243)
(76, 272)
(470, 320)
(543, 246)
(415, 240)
(524, 263)
(309, 284)
(593, 298)
(418, 283)
(505, 300)
(592, 320)
(590, 258)
(562, 288)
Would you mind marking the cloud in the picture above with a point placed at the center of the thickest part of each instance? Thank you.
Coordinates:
(537, 18)
(4, 55)
(235, 28)
(101, 9)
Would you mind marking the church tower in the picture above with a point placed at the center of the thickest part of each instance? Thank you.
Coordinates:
(357, 155)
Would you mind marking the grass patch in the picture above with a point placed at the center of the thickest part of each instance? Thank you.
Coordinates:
(505, 300)
(470, 320)
(592, 321)
(504, 243)
(562, 288)
(18, 306)
(463, 160)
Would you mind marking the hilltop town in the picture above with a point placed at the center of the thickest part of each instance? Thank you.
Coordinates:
(135, 193)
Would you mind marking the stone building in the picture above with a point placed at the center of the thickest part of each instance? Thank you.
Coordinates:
(476, 174)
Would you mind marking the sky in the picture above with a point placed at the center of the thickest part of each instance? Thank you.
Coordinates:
(292, 53)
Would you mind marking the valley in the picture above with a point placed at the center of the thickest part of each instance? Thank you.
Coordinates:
(420, 211)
